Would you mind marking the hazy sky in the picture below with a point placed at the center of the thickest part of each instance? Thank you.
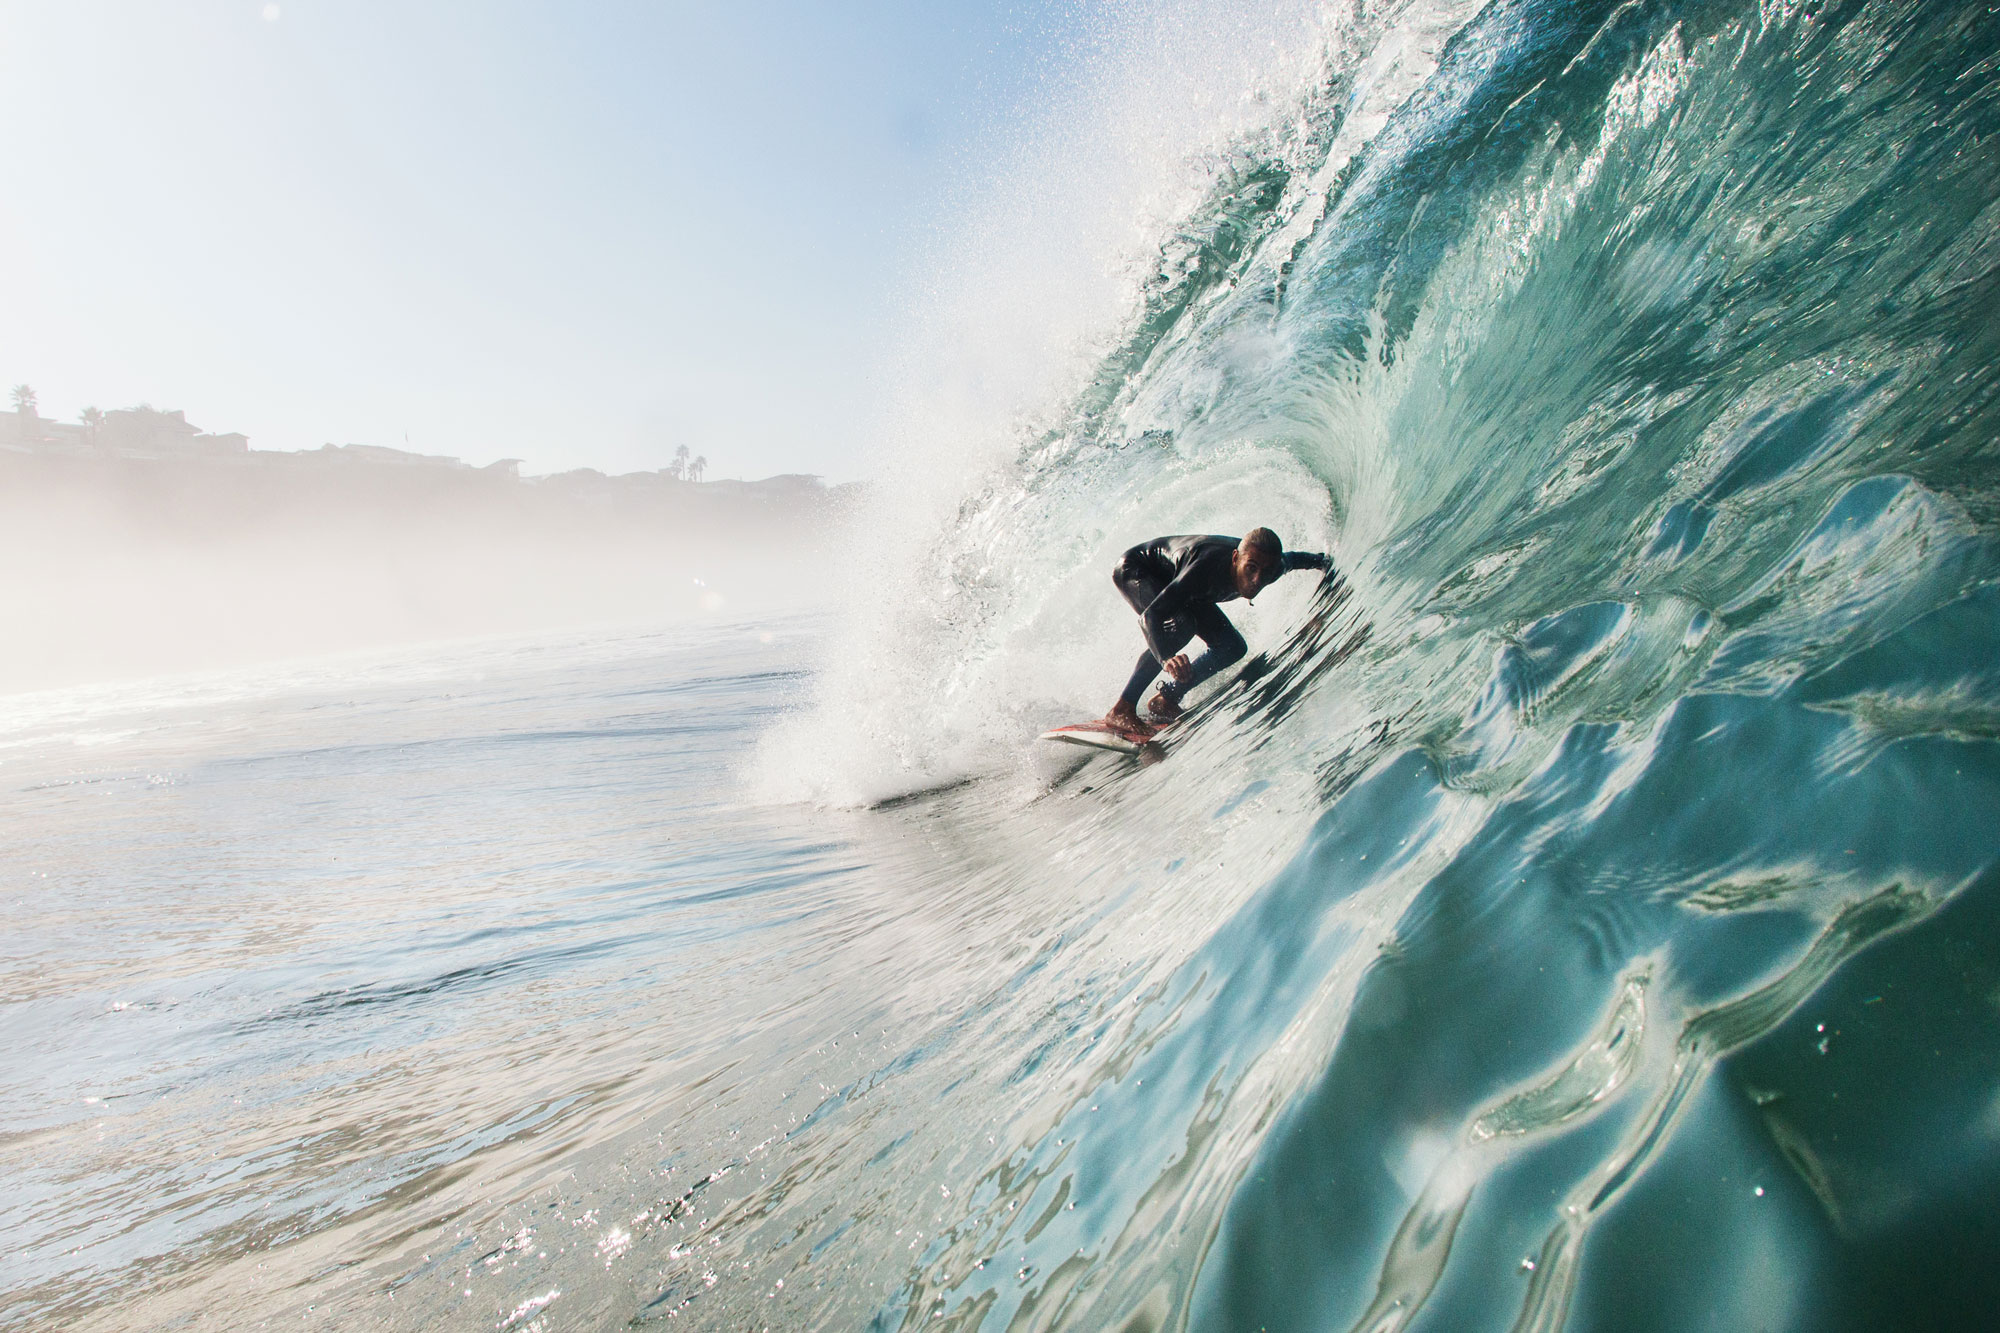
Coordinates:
(577, 234)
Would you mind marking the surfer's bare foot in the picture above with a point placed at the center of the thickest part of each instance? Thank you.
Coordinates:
(1124, 717)
(1164, 708)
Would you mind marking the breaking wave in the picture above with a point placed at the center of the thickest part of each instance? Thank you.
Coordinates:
(1530, 933)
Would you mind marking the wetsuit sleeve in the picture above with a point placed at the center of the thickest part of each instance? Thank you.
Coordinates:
(1306, 560)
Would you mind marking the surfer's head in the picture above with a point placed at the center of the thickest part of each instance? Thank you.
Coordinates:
(1259, 558)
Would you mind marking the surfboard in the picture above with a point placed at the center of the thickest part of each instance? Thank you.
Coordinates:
(1098, 736)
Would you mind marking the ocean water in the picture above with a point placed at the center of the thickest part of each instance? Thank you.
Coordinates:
(1580, 914)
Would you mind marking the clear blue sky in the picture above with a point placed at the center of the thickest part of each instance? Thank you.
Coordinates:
(578, 234)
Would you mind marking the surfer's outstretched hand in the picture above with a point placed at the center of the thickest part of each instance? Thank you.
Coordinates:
(1176, 666)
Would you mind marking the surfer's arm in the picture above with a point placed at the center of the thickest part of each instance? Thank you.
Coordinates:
(1306, 560)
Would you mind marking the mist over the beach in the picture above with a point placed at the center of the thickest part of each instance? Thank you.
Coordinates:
(137, 562)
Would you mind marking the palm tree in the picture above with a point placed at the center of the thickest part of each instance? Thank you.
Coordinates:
(91, 419)
(696, 468)
(681, 461)
(24, 400)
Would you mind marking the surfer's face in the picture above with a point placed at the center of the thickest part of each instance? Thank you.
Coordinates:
(1254, 572)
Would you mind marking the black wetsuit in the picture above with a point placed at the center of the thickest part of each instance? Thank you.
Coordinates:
(1174, 584)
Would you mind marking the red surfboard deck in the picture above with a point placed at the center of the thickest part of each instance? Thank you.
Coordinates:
(1098, 736)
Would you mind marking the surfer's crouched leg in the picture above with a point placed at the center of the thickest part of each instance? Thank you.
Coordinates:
(1142, 676)
(1223, 647)
(1139, 587)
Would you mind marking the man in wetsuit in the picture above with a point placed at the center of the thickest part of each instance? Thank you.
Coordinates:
(1174, 584)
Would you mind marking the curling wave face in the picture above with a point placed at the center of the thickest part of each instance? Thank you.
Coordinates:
(1584, 914)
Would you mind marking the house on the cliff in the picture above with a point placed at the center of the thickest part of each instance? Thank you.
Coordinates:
(132, 432)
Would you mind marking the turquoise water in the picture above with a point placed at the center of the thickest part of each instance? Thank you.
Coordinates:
(1582, 916)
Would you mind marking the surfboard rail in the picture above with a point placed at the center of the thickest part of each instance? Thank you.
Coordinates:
(1098, 736)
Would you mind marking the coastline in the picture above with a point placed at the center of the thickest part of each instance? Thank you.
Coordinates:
(130, 565)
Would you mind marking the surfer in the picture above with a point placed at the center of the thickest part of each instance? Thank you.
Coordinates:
(1174, 584)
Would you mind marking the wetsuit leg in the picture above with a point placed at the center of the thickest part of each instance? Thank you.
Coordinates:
(1142, 675)
(1223, 645)
(1139, 588)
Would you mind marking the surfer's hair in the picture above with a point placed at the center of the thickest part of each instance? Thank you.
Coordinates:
(1264, 542)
